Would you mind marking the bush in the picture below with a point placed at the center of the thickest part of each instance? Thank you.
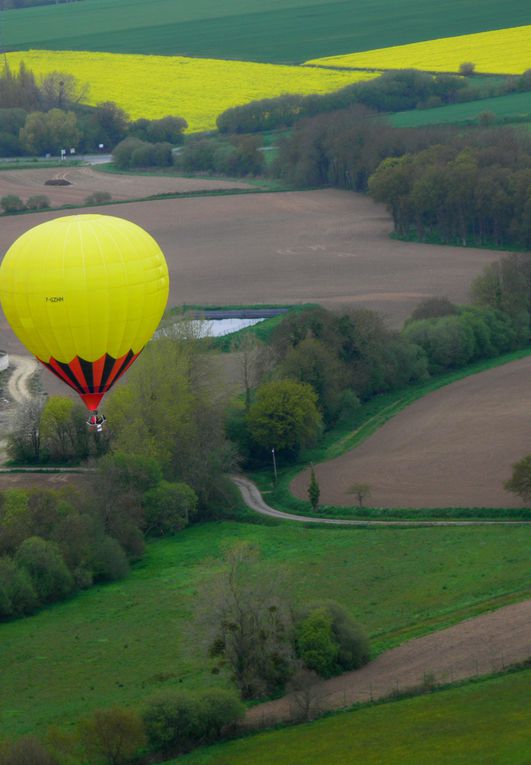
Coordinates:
(11, 204)
(113, 734)
(173, 722)
(38, 202)
(329, 641)
(315, 643)
(27, 750)
(221, 710)
(168, 507)
(98, 198)
(17, 593)
(110, 561)
(48, 572)
(177, 722)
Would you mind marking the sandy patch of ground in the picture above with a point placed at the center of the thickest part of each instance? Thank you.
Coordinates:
(452, 448)
(86, 180)
(479, 646)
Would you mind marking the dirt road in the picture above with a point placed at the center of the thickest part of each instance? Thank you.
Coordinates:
(24, 368)
(255, 501)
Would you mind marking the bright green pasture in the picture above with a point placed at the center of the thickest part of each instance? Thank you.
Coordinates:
(119, 643)
(514, 106)
(257, 30)
(482, 723)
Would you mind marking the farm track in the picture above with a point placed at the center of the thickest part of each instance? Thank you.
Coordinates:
(479, 646)
(255, 501)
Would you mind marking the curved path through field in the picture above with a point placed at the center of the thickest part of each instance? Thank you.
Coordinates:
(452, 448)
(255, 501)
(479, 646)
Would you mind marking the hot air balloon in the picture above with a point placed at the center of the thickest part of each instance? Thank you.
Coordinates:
(84, 294)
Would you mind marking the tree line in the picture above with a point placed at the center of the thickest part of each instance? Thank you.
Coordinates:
(44, 116)
(319, 365)
(441, 184)
(391, 92)
(6, 5)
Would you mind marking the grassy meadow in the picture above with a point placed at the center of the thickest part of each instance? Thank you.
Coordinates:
(282, 31)
(196, 89)
(514, 106)
(119, 643)
(481, 723)
(503, 51)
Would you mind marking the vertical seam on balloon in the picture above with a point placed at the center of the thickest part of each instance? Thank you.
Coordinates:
(107, 323)
(126, 292)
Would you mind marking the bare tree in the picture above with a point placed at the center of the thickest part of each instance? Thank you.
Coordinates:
(362, 491)
(248, 624)
(305, 694)
(24, 442)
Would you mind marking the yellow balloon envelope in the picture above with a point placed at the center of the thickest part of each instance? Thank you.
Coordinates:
(84, 294)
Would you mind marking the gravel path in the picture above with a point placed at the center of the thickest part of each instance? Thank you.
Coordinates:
(24, 368)
(478, 646)
(255, 501)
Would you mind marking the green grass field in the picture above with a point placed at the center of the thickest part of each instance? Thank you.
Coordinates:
(257, 30)
(119, 643)
(481, 723)
(515, 106)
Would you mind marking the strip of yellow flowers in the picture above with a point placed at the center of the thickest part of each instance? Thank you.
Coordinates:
(504, 51)
(196, 89)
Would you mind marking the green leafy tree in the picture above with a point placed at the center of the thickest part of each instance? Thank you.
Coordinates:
(173, 722)
(112, 736)
(168, 507)
(63, 432)
(315, 643)
(169, 411)
(520, 481)
(10, 203)
(48, 572)
(49, 132)
(284, 416)
(329, 641)
(17, 593)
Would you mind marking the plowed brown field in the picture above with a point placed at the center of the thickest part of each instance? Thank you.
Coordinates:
(84, 181)
(330, 247)
(452, 448)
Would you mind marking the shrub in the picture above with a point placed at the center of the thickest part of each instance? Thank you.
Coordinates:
(179, 721)
(98, 198)
(113, 734)
(221, 710)
(11, 204)
(173, 722)
(38, 202)
(329, 641)
(48, 572)
(17, 593)
(315, 643)
(110, 561)
(27, 750)
(168, 507)
(432, 308)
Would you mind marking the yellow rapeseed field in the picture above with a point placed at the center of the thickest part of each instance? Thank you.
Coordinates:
(193, 88)
(504, 51)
